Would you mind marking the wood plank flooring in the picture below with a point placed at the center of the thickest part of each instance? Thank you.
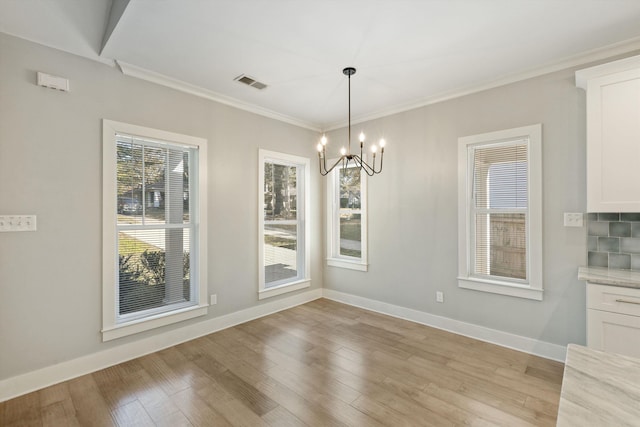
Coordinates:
(318, 364)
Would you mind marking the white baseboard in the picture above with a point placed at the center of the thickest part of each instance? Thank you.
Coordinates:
(504, 339)
(35, 380)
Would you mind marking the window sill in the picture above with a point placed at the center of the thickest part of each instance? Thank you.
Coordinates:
(140, 325)
(344, 263)
(283, 289)
(502, 288)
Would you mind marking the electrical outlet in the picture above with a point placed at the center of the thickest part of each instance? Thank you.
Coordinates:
(214, 299)
(573, 219)
(439, 296)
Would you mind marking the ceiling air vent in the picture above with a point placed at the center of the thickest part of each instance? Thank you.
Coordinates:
(249, 81)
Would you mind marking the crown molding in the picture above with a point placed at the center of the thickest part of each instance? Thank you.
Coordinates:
(92, 56)
(583, 76)
(161, 79)
(583, 58)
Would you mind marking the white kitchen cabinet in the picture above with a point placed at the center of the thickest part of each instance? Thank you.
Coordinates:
(613, 135)
(613, 319)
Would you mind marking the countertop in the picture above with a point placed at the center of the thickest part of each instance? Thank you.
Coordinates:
(606, 276)
(599, 389)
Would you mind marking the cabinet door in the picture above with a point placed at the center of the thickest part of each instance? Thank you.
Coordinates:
(613, 332)
(613, 143)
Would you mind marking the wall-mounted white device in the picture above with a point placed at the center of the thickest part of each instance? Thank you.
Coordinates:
(53, 82)
(17, 223)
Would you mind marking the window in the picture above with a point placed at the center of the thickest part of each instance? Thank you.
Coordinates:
(500, 212)
(347, 218)
(154, 268)
(283, 201)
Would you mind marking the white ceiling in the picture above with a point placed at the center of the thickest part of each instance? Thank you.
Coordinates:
(407, 52)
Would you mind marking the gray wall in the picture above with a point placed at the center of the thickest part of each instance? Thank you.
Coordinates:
(50, 165)
(413, 233)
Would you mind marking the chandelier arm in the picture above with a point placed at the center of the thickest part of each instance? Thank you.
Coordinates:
(368, 171)
(321, 166)
(333, 166)
(366, 167)
(322, 157)
(358, 161)
(374, 162)
(381, 158)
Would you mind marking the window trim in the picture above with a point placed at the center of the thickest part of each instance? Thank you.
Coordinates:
(533, 287)
(298, 283)
(334, 259)
(111, 328)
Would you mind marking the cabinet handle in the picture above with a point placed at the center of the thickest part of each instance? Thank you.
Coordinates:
(628, 302)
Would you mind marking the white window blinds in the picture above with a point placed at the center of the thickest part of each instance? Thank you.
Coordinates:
(155, 227)
(500, 209)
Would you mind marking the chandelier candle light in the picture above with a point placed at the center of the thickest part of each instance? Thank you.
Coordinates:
(345, 153)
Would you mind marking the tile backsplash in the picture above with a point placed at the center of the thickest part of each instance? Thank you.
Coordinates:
(614, 240)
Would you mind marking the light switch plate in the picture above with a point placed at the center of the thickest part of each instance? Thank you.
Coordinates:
(17, 223)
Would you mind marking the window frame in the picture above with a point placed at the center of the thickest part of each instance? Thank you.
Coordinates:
(532, 287)
(334, 258)
(303, 279)
(112, 327)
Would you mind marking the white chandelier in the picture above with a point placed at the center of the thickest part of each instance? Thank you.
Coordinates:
(345, 153)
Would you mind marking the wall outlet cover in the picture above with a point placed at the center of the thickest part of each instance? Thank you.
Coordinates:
(573, 219)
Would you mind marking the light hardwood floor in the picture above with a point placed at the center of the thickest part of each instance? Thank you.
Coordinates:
(318, 364)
